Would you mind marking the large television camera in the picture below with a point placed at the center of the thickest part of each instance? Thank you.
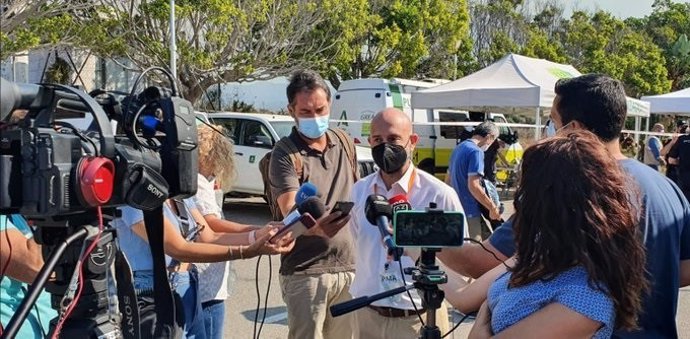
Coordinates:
(138, 150)
(51, 169)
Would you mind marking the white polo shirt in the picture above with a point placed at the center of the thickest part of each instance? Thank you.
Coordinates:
(371, 275)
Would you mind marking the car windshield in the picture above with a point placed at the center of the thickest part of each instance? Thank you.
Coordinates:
(283, 128)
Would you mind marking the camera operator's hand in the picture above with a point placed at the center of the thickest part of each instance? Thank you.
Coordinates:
(482, 324)
(329, 225)
(263, 246)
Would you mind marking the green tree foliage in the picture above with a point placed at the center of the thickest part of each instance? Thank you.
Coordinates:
(26, 24)
(406, 38)
(497, 28)
(603, 44)
(669, 27)
(220, 40)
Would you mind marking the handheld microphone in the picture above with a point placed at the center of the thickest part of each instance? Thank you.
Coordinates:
(379, 212)
(305, 191)
(307, 213)
(399, 203)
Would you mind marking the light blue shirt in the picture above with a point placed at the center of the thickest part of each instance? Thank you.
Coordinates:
(570, 289)
(12, 292)
(135, 248)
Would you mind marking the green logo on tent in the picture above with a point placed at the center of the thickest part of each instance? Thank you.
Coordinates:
(560, 73)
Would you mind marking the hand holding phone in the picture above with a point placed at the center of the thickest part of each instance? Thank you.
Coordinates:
(296, 228)
(343, 206)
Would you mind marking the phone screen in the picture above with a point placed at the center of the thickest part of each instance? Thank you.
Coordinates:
(428, 229)
(343, 206)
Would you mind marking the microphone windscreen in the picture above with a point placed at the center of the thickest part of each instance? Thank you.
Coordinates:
(313, 206)
(305, 191)
(400, 203)
(377, 206)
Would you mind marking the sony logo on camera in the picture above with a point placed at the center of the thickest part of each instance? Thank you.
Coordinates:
(154, 190)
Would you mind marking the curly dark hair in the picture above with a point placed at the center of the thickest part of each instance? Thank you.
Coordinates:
(574, 207)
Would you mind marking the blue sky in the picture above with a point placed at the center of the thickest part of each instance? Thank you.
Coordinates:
(619, 8)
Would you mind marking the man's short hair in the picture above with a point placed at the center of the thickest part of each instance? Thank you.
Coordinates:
(597, 101)
(306, 81)
(485, 128)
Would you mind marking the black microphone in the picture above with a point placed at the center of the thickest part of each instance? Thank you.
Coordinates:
(306, 214)
(312, 205)
(306, 191)
(379, 212)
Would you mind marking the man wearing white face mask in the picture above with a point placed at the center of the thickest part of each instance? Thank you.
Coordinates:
(466, 169)
(318, 272)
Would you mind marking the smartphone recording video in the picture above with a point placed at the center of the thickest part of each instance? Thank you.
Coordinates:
(435, 229)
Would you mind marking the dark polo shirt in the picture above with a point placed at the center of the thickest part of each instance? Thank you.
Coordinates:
(330, 171)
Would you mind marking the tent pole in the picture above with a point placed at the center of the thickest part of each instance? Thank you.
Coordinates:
(538, 126)
(638, 125)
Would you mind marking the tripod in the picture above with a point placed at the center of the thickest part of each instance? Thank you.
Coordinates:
(93, 316)
(426, 279)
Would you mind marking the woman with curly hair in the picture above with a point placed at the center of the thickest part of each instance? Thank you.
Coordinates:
(579, 269)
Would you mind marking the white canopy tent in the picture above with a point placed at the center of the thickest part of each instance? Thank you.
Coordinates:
(514, 84)
(677, 102)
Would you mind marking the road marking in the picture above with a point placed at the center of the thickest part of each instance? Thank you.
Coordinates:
(276, 318)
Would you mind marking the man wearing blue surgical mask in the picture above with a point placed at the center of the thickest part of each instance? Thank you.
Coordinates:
(318, 272)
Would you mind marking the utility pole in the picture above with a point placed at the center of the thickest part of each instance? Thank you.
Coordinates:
(173, 45)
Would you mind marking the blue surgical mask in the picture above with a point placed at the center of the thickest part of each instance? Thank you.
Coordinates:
(313, 128)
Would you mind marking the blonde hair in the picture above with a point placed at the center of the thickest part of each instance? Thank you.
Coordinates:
(216, 154)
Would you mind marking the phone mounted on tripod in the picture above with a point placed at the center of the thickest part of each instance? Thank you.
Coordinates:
(439, 229)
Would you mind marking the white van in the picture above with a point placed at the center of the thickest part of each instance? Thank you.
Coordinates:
(356, 102)
(254, 135)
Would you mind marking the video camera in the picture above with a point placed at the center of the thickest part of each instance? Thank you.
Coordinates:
(52, 169)
(139, 150)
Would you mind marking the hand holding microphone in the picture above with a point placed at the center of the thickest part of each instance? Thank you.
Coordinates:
(301, 220)
(262, 245)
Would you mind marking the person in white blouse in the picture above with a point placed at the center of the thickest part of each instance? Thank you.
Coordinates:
(392, 141)
(216, 168)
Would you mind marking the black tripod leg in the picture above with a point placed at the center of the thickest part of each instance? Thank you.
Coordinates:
(39, 283)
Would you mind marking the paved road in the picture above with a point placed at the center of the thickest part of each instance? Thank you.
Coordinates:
(241, 307)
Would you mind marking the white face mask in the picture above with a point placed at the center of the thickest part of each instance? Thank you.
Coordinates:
(486, 146)
(551, 129)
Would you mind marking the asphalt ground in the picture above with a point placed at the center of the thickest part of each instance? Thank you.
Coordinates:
(242, 305)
